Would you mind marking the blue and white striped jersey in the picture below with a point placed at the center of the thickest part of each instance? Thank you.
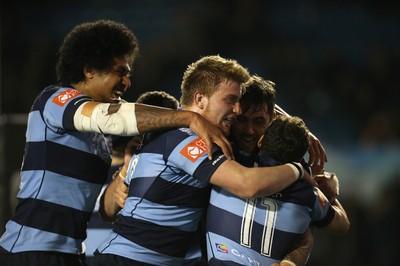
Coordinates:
(168, 194)
(261, 231)
(62, 173)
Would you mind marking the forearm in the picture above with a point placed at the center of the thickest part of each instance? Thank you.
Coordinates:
(128, 119)
(279, 111)
(253, 182)
(152, 118)
(300, 253)
(274, 179)
(340, 223)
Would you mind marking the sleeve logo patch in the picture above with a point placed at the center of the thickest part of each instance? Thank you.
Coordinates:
(194, 149)
(63, 97)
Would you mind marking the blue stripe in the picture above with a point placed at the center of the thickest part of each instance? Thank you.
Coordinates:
(185, 219)
(53, 189)
(121, 246)
(18, 238)
(166, 193)
(143, 159)
(86, 167)
(159, 168)
(52, 217)
(170, 241)
(37, 127)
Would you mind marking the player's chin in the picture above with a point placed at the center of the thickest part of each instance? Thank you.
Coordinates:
(114, 99)
(246, 147)
(225, 130)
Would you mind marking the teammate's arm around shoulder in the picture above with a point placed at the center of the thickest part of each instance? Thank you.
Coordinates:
(257, 181)
(129, 119)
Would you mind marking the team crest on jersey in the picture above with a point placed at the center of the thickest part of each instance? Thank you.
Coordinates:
(194, 149)
(221, 248)
(63, 97)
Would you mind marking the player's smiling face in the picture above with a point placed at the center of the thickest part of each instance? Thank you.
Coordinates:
(110, 86)
(223, 105)
(249, 127)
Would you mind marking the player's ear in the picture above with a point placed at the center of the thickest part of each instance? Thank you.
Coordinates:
(88, 72)
(199, 99)
(260, 141)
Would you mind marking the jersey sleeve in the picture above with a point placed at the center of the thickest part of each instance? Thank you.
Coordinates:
(192, 157)
(60, 108)
(323, 211)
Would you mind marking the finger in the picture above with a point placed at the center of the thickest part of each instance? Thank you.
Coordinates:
(227, 148)
(323, 152)
(209, 145)
(308, 178)
(121, 204)
(312, 155)
(124, 189)
(319, 178)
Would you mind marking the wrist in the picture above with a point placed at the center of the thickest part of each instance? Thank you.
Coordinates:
(186, 117)
(287, 263)
(297, 169)
(122, 173)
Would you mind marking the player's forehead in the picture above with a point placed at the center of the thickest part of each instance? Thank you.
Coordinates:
(256, 112)
(227, 89)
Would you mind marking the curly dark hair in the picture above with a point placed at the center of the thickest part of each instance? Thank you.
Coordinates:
(286, 140)
(94, 45)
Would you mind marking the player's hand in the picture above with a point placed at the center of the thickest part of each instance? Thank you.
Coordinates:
(317, 154)
(211, 134)
(328, 183)
(120, 193)
(309, 178)
(283, 263)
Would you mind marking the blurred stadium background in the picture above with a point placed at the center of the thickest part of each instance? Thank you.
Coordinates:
(336, 64)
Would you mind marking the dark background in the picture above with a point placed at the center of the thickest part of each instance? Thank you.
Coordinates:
(336, 64)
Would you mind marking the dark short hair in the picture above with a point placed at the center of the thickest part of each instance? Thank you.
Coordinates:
(258, 92)
(94, 45)
(285, 140)
(158, 98)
